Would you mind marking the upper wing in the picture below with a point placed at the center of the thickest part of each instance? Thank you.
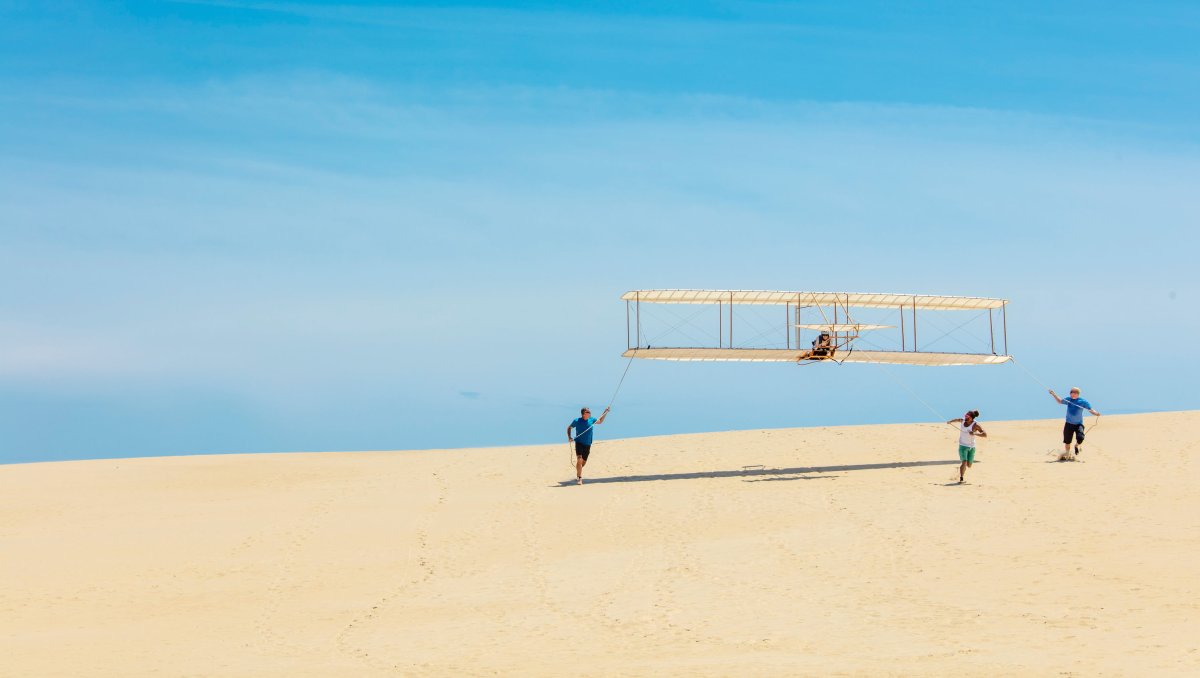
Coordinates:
(861, 300)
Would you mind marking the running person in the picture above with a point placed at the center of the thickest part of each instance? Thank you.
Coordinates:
(1073, 428)
(968, 429)
(583, 438)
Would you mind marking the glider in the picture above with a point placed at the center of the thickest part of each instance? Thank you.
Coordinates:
(827, 316)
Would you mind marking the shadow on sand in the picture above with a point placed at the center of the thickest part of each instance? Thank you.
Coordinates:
(759, 473)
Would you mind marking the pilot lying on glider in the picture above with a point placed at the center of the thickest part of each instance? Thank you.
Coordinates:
(822, 347)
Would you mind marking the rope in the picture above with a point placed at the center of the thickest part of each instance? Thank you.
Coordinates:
(1031, 374)
(914, 394)
(903, 385)
(1086, 429)
(611, 400)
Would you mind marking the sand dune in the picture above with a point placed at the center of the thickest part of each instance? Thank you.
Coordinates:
(825, 551)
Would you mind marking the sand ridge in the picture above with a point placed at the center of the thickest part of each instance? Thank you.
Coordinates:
(820, 551)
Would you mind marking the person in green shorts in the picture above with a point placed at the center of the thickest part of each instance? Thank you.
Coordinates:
(968, 429)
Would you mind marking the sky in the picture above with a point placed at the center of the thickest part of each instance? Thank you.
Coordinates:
(272, 226)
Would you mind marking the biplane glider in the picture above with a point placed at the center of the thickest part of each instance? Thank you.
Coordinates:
(843, 327)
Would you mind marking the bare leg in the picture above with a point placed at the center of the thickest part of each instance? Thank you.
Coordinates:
(579, 463)
(962, 469)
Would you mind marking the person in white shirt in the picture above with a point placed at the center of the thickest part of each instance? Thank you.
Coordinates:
(968, 429)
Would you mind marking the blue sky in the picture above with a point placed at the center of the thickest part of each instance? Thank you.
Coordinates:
(236, 227)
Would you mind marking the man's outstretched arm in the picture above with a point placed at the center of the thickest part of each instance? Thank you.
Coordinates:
(602, 416)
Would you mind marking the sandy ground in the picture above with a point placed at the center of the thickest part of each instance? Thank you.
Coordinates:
(827, 551)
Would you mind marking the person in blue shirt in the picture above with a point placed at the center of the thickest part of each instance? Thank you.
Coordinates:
(583, 427)
(1073, 428)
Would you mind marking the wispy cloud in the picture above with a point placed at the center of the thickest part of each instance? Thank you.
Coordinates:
(553, 20)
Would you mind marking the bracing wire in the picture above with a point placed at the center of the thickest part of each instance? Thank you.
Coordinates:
(950, 332)
(677, 327)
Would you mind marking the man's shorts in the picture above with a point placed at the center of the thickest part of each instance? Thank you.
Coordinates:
(966, 453)
(582, 450)
(1072, 430)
